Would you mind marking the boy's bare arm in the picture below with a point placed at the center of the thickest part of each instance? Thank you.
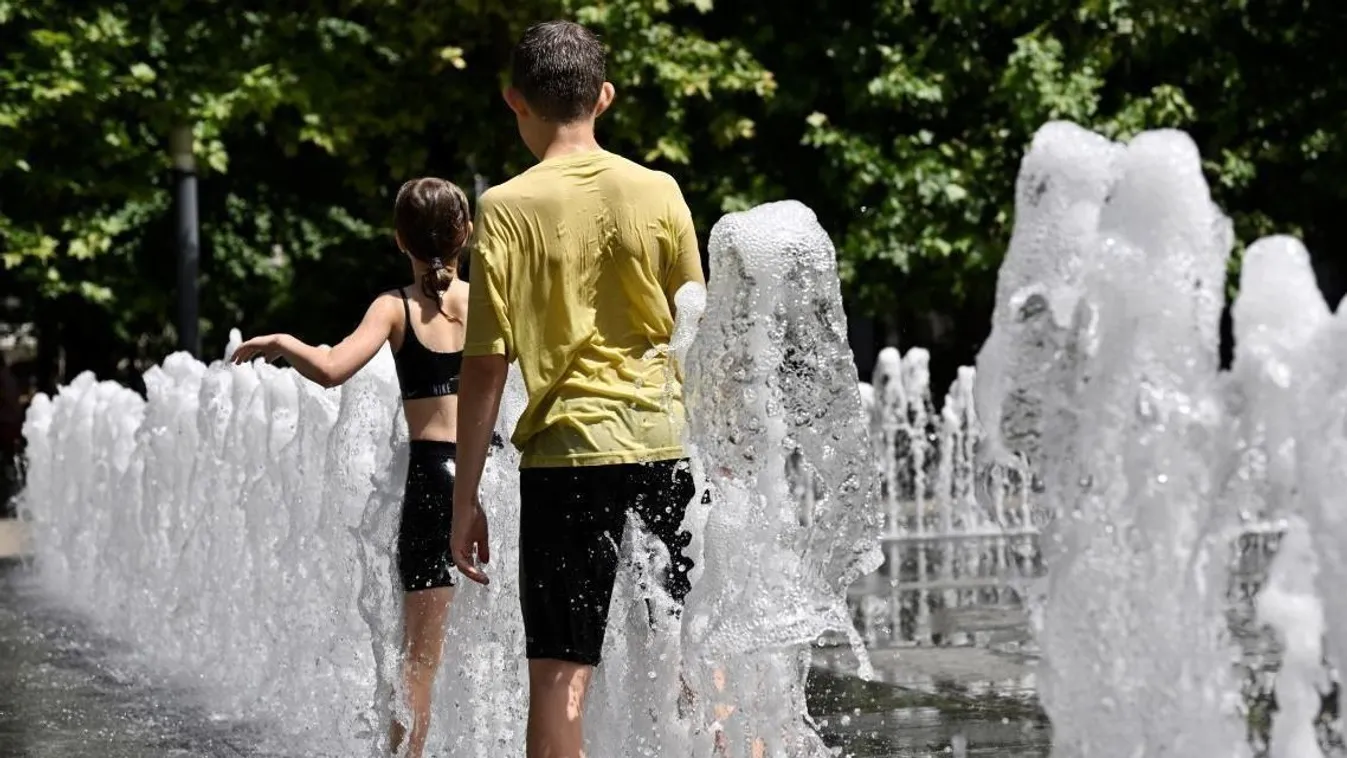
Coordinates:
(480, 388)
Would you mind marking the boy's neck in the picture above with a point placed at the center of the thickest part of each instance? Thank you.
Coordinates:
(568, 139)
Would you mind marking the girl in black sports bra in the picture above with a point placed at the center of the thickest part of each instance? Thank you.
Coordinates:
(423, 324)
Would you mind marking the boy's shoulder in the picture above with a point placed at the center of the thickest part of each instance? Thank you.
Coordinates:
(533, 184)
(638, 172)
(498, 194)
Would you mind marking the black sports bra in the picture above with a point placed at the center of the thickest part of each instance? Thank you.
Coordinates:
(423, 372)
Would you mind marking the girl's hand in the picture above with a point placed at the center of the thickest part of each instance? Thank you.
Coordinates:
(268, 347)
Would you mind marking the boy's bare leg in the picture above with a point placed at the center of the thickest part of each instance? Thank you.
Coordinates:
(424, 613)
(722, 712)
(557, 692)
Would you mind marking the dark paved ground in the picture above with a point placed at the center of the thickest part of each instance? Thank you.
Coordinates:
(66, 692)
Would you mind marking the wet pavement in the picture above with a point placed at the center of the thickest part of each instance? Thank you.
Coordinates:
(68, 692)
(930, 701)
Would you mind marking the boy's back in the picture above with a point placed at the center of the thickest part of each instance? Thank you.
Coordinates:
(578, 260)
(576, 264)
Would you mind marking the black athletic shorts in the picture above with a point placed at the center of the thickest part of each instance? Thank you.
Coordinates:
(427, 510)
(570, 530)
(424, 561)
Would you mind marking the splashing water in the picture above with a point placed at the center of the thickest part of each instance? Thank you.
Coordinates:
(1306, 380)
(1104, 373)
(1102, 370)
(238, 523)
(689, 305)
(776, 420)
(1324, 421)
(899, 419)
(1060, 190)
(1291, 607)
(635, 704)
(935, 483)
(1278, 315)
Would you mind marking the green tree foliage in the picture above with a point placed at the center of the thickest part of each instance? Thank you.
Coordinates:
(901, 123)
(918, 114)
(305, 118)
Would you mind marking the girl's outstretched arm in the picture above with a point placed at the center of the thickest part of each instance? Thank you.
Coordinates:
(329, 366)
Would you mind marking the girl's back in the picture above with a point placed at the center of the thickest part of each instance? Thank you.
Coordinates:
(427, 346)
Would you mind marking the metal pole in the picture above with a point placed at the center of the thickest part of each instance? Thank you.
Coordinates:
(479, 185)
(189, 240)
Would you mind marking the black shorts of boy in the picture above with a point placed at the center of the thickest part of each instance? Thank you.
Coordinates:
(570, 533)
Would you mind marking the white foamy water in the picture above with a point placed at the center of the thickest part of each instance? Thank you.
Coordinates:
(1063, 181)
(1290, 605)
(1308, 382)
(1278, 315)
(1104, 374)
(689, 305)
(237, 525)
(776, 419)
(1102, 370)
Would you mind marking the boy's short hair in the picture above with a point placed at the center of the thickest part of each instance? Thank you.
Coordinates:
(558, 67)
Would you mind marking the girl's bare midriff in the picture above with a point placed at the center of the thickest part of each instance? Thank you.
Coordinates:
(432, 418)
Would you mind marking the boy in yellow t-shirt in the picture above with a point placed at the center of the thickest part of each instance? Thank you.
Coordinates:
(574, 271)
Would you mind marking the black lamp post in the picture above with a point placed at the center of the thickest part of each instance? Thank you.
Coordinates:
(188, 238)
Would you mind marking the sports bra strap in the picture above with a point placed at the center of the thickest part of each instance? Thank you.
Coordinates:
(422, 372)
(406, 309)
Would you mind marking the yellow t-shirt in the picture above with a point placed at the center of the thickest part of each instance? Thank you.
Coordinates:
(574, 270)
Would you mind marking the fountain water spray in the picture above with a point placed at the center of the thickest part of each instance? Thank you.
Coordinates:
(1323, 416)
(1278, 315)
(1104, 374)
(775, 419)
(237, 524)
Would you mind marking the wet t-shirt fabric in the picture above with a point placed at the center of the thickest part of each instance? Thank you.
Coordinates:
(575, 266)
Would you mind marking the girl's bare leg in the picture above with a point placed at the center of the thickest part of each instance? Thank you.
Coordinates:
(424, 616)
